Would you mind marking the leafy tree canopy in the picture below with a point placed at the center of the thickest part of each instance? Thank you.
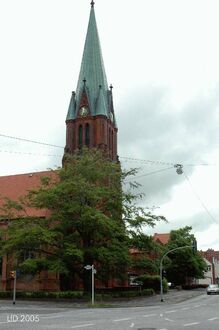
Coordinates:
(91, 219)
(184, 264)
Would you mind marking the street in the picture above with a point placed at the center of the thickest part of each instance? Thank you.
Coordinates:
(200, 312)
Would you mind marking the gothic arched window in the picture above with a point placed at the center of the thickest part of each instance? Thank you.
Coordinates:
(109, 140)
(87, 135)
(80, 136)
(112, 142)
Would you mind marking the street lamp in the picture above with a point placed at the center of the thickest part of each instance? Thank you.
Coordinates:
(161, 266)
(93, 272)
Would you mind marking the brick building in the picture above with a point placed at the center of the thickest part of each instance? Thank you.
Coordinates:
(212, 258)
(90, 122)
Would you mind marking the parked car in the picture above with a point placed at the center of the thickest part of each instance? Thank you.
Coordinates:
(213, 289)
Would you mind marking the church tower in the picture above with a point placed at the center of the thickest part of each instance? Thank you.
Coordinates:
(91, 119)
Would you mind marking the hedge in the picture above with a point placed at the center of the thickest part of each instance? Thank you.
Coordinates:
(76, 294)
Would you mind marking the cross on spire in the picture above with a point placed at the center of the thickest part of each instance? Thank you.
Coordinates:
(92, 3)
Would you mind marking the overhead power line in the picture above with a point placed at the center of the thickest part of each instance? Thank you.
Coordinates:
(30, 141)
(147, 161)
(150, 173)
(28, 153)
(199, 199)
(179, 167)
(157, 162)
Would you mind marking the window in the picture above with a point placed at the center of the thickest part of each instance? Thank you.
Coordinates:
(112, 142)
(109, 140)
(80, 136)
(87, 135)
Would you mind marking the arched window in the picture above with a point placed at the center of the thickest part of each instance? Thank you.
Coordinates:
(80, 136)
(109, 140)
(112, 142)
(87, 135)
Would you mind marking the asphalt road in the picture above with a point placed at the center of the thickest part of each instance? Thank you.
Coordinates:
(180, 310)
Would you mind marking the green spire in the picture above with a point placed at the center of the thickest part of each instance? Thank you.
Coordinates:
(92, 79)
(92, 67)
(101, 107)
(71, 108)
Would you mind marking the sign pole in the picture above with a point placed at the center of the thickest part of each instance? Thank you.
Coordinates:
(92, 283)
(14, 290)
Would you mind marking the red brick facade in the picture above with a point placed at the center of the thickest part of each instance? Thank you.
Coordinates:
(102, 134)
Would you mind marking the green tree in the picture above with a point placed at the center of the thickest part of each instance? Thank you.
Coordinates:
(147, 261)
(90, 220)
(184, 264)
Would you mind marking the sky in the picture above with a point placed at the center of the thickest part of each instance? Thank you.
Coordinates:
(162, 60)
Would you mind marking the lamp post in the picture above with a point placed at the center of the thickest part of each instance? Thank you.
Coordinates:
(93, 272)
(161, 266)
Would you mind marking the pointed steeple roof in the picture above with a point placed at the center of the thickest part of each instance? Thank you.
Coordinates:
(100, 106)
(92, 67)
(71, 108)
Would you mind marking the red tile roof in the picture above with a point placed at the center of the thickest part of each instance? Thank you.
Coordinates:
(15, 186)
(210, 254)
(162, 238)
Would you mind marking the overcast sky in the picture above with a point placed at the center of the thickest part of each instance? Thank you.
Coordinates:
(162, 59)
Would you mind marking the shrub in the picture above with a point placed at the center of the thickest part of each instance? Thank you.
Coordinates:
(5, 294)
(44, 294)
(152, 282)
(148, 292)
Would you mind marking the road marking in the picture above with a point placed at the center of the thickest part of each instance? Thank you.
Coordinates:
(82, 325)
(120, 320)
(166, 319)
(132, 325)
(196, 306)
(149, 315)
(51, 316)
(213, 318)
(189, 324)
(173, 311)
(185, 308)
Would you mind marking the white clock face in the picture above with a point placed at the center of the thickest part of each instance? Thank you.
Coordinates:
(83, 111)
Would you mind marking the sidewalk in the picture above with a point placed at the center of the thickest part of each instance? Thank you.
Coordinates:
(173, 296)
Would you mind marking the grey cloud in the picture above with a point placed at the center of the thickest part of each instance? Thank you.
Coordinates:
(199, 222)
(151, 128)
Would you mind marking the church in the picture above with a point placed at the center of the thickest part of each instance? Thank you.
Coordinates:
(90, 122)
